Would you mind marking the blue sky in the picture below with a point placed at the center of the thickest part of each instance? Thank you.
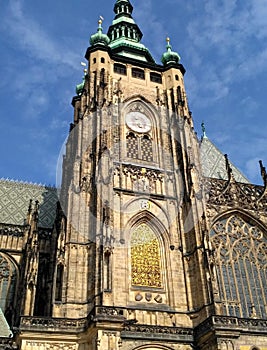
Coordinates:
(222, 44)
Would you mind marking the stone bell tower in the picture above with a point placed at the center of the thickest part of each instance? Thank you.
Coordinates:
(132, 225)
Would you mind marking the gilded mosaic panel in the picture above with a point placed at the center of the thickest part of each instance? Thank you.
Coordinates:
(145, 258)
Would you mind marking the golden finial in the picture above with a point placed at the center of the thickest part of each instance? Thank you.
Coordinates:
(101, 19)
(168, 40)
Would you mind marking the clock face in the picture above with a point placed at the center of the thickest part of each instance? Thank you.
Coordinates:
(138, 122)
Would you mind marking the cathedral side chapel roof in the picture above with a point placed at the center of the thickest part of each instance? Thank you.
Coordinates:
(14, 202)
(213, 162)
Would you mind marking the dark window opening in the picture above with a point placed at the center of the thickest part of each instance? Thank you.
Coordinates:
(156, 78)
(138, 73)
(59, 283)
(102, 60)
(94, 60)
(120, 69)
(180, 96)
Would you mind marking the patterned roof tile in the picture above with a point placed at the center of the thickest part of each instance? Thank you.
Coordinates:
(14, 202)
(213, 163)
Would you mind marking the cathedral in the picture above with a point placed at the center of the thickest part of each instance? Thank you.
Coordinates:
(154, 241)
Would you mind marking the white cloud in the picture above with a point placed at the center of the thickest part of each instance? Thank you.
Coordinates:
(226, 42)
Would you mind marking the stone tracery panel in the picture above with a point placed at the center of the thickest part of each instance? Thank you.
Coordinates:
(145, 258)
(8, 279)
(241, 266)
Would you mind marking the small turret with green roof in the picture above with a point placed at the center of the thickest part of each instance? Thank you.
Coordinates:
(80, 87)
(99, 38)
(170, 56)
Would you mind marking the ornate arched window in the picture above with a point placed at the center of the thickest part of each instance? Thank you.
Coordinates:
(241, 266)
(8, 280)
(145, 258)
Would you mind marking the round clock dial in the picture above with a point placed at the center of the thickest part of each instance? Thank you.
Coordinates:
(138, 122)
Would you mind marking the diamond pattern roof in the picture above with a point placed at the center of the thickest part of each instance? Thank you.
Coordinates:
(14, 202)
(213, 163)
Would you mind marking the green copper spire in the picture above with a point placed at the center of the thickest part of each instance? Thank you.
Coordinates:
(125, 35)
(170, 56)
(99, 38)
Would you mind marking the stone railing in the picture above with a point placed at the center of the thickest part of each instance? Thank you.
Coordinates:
(53, 324)
(12, 230)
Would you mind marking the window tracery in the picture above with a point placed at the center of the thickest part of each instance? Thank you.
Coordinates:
(241, 267)
(139, 147)
(145, 258)
(8, 279)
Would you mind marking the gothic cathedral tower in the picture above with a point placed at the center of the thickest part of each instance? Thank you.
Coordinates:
(132, 197)
(132, 263)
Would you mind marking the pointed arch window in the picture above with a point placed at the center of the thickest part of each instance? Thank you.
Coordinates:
(146, 149)
(145, 258)
(8, 280)
(241, 267)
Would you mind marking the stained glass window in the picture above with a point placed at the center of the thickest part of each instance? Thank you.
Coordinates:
(145, 258)
(241, 267)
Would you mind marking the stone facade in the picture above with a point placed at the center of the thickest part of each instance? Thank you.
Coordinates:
(145, 252)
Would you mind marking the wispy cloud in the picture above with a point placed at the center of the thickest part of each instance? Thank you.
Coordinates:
(33, 39)
(226, 31)
(147, 19)
(43, 62)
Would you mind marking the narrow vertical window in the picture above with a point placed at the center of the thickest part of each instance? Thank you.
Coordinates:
(107, 271)
(132, 146)
(146, 149)
(59, 282)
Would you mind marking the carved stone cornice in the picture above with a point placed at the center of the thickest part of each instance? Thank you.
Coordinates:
(232, 193)
(12, 230)
(158, 332)
(233, 324)
(29, 323)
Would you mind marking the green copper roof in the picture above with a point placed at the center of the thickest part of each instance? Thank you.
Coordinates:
(125, 35)
(79, 87)
(99, 38)
(170, 56)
